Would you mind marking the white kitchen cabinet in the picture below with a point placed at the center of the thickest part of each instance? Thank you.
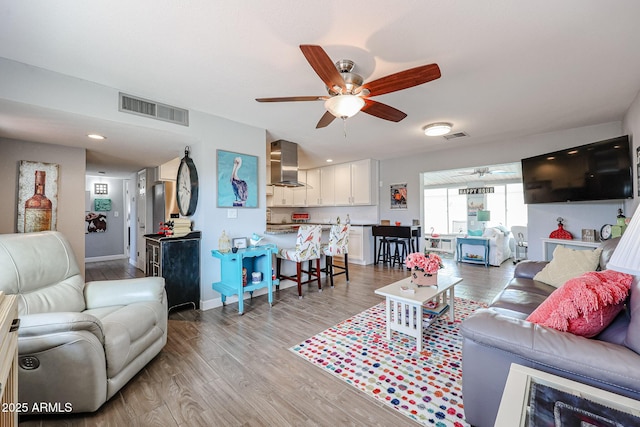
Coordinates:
(313, 187)
(299, 194)
(360, 245)
(364, 179)
(282, 196)
(342, 184)
(327, 184)
(355, 183)
(345, 184)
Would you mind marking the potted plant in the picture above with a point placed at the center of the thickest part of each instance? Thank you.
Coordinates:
(424, 268)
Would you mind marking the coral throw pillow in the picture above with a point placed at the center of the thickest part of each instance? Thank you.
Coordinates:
(584, 305)
(567, 264)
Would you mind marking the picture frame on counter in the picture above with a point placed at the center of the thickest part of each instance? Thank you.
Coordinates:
(239, 242)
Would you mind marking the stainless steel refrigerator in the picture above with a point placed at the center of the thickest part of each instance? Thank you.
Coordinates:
(164, 203)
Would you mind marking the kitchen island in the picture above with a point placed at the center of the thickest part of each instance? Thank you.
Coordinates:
(360, 239)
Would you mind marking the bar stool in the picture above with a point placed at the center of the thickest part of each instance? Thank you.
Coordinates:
(338, 245)
(307, 249)
(400, 252)
(384, 249)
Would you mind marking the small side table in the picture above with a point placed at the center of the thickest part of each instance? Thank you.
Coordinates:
(254, 259)
(474, 258)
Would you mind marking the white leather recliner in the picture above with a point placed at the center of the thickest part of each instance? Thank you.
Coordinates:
(78, 343)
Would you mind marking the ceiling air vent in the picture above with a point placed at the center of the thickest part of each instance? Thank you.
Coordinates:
(456, 135)
(152, 109)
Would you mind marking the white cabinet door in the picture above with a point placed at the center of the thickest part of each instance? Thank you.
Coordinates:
(299, 194)
(356, 254)
(313, 187)
(282, 196)
(327, 183)
(361, 183)
(342, 184)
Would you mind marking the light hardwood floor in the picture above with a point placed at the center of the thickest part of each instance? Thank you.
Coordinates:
(222, 369)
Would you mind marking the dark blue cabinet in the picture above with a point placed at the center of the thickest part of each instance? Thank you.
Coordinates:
(177, 259)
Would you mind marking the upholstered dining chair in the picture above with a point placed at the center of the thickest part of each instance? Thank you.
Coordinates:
(338, 245)
(307, 249)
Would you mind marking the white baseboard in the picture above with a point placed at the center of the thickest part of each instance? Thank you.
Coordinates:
(105, 258)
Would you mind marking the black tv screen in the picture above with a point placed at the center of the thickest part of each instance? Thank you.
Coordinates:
(596, 171)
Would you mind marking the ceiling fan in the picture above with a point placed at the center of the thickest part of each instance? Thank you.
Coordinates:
(347, 95)
(485, 171)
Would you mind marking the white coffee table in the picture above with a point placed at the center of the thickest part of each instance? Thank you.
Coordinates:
(404, 309)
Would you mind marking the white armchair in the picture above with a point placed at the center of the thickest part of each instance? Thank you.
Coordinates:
(78, 343)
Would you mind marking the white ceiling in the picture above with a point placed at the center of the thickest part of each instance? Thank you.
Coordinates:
(509, 68)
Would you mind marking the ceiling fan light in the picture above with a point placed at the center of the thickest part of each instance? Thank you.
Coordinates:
(344, 106)
(437, 129)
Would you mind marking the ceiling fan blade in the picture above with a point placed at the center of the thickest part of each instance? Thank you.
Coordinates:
(403, 80)
(292, 98)
(323, 65)
(325, 120)
(382, 111)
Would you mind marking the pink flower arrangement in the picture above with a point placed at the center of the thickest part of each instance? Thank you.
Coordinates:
(429, 263)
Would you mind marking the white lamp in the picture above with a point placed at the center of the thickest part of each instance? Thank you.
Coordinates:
(626, 257)
(344, 106)
(437, 129)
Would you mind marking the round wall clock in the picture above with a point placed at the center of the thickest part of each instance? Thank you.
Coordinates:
(187, 185)
(605, 232)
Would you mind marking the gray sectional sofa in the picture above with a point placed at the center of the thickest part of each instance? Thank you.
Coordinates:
(496, 337)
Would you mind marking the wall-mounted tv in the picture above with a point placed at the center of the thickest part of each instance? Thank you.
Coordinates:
(597, 171)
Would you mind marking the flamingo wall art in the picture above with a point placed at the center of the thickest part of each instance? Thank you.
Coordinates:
(237, 180)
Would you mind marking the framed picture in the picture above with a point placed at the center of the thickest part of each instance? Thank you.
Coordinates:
(239, 242)
(237, 180)
(398, 196)
(102, 204)
(37, 197)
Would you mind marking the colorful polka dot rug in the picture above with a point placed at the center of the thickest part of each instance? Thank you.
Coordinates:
(426, 386)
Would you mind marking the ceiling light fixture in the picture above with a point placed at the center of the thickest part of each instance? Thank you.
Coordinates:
(344, 106)
(96, 136)
(437, 129)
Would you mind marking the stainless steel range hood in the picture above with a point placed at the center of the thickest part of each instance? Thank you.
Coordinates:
(284, 164)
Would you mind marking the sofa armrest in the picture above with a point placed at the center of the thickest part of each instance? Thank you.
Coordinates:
(590, 359)
(34, 325)
(528, 269)
(105, 293)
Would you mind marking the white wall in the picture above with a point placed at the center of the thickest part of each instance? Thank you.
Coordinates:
(631, 126)
(216, 133)
(542, 218)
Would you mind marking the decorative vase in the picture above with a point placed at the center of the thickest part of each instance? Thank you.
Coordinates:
(224, 243)
(422, 278)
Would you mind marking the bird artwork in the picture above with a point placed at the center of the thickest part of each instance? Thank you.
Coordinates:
(239, 186)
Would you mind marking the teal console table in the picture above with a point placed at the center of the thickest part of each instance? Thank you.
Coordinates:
(254, 259)
(477, 255)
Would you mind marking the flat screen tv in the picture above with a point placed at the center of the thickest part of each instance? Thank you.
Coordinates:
(596, 171)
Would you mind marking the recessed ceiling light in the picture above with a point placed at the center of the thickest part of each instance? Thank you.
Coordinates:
(437, 129)
(329, 160)
(96, 136)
